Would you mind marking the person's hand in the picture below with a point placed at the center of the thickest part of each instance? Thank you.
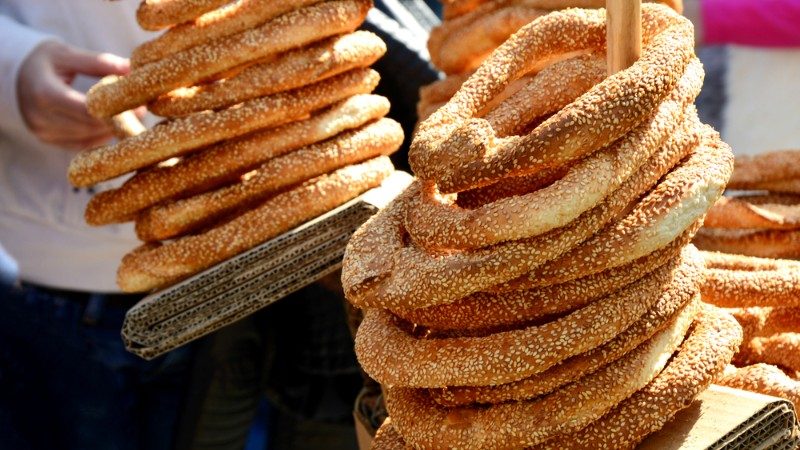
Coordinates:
(54, 111)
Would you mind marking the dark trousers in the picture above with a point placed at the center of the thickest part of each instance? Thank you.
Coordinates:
(300, 352)
(67, 382)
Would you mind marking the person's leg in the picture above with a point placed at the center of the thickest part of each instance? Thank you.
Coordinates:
(72, 380)
(226, 387)
(315, 377)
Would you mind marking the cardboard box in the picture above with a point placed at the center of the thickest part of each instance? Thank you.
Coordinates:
(252, 280)
(720, 418)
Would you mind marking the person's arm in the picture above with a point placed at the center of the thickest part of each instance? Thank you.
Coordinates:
(765, 23)
(36, 73)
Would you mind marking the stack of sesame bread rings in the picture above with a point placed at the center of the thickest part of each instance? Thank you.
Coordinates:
(761, 217)
(534, 287)
(757, 221)
(269, 122)
(472, 29)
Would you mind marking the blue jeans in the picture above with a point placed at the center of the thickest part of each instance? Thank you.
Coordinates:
(68, 383)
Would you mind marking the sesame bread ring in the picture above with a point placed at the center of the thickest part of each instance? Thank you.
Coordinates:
(759, 243)
(387, 438)
(291, 70)
(758, 322)
(184, 135)
(113, 95)
(770, 336)
(666, 312)
(171, 219)
(382, 270)
(393, 356)
(782, 349)
(728, 261)
(455, 8)
(791, 186)
(461, 44)
(433, 95)
(425, 424)
(637, 235)
(513, 308)
(778, 285)
(231, 19)
(154, 15)
(225, 162)
(597, 118)
(762, 378)
(753, 170)
(436, 221)
(701, 358)
(167, 264)
(765, 211)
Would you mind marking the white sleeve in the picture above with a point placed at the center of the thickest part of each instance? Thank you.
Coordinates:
(17, 41)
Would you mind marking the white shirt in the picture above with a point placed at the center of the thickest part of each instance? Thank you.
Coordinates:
(41, 215)
(763, 100)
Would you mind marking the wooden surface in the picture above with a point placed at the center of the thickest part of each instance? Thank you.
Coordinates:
(623, 33)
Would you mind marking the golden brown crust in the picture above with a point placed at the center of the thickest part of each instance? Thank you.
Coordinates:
(702, 357)
(113, 95)
(154, 15)
(424, 424)
(759, 322)
(231, 19)
(599, 117)
(377, 259)
(790, 186)
(455, 8)
(387, 438)
(664, 314)
(436, 221)
(439, 92)
(392, 356)
(764, 211)
(176, 260)
(776, 284)
(728, 261)
(751, 171)
(759, 243)
(126, 124)
(225, 162)
(291, 70)
(181, 136)
(781, 349)
(762, 378)
(171, 219)
(461, 44)
(770, 336)
(629, 239)
(512, 304)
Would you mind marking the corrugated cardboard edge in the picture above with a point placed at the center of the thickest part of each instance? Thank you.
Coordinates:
(211, 307)
(725, 418)
(720, 418)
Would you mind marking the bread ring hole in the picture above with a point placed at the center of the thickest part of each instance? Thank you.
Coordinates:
(509, 187)
(532, 98)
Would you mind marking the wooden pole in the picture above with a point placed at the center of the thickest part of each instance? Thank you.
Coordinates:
(623, 33)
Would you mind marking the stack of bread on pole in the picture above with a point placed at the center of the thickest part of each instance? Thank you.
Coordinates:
(761, 216)
(535, 286)
(472, 29)
(269, 122)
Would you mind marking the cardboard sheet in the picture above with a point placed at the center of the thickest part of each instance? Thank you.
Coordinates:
(252, 280)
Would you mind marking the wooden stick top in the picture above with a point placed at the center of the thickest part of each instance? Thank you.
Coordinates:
(623, 33)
